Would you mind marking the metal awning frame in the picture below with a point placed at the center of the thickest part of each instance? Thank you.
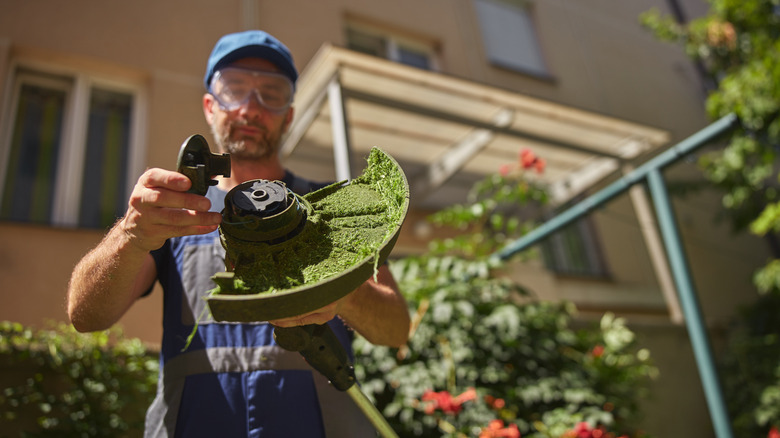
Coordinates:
(324, 79)
(650, 173)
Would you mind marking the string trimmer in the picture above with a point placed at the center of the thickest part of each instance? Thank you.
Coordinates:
(288, 254)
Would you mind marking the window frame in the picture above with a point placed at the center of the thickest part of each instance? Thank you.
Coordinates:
(70, 165)
(541, 68)
(395, 42)
(558, 260)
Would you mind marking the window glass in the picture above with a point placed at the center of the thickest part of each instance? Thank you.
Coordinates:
(365, 43)
(574, 251)
(384, 45)
(414, 58)
(105, 173)
(509, 36)
(30, 174)
(65, 158)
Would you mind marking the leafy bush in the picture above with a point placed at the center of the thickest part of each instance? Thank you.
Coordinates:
(60, 383)
(478, 355)
(737, 45)
(488, 360)
(751, 368)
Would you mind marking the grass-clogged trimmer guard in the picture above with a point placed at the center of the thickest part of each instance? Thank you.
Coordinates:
(246, 292)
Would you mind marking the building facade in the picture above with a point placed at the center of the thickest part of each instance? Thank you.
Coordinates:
(92, 93)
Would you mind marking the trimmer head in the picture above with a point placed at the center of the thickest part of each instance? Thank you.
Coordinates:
(288, 254)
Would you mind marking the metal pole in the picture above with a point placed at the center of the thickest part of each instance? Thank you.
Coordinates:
(584, 207)
(655, 248)
(338, 124)
(651, 171)
(690, 305)
(372, 413)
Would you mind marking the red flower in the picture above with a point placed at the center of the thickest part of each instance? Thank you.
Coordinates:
(527, 158)
(495, 403)
(597, 351)
(504, 169)
(583, 430)
(539, 165)
(469, 394)
(496, 429)
(773, 433)
(446, 402)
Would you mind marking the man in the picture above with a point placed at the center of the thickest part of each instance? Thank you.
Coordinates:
(232, 380)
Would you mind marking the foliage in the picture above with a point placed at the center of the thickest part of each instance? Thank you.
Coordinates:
(60, 383)
(492, 216)
(751, 368)
(488, 360)
(738, 45)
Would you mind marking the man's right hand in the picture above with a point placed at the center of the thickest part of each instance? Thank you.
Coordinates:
(107, 280)
(160, 208)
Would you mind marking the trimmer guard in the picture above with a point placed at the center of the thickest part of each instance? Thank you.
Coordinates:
(241, 297)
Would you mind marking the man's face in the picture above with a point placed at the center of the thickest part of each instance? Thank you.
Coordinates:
(251, 131)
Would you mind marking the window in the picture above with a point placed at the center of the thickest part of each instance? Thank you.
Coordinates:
(66, 153)
(574, 251)
(403, 50)
(509, 36)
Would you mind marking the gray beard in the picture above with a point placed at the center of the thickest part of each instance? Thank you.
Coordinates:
(238, 150)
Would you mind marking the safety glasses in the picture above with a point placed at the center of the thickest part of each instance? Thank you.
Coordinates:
(233, 87)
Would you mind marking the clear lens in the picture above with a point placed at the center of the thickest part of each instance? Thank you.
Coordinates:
(233, 87)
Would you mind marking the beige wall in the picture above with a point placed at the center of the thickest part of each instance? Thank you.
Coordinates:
(599, 56)
(599, 59)
(35, 266)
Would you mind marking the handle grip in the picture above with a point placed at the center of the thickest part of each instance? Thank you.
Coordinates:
(198, 164)
(321, 349)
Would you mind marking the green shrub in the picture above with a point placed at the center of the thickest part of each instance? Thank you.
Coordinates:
(59, 383)
(477, 355)
(488, 360)
(737, 45)
(749, 368)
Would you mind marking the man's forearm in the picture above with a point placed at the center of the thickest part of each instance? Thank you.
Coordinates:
(107, 281)
(378, 312)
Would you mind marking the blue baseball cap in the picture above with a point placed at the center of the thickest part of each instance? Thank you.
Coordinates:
(250, 44)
